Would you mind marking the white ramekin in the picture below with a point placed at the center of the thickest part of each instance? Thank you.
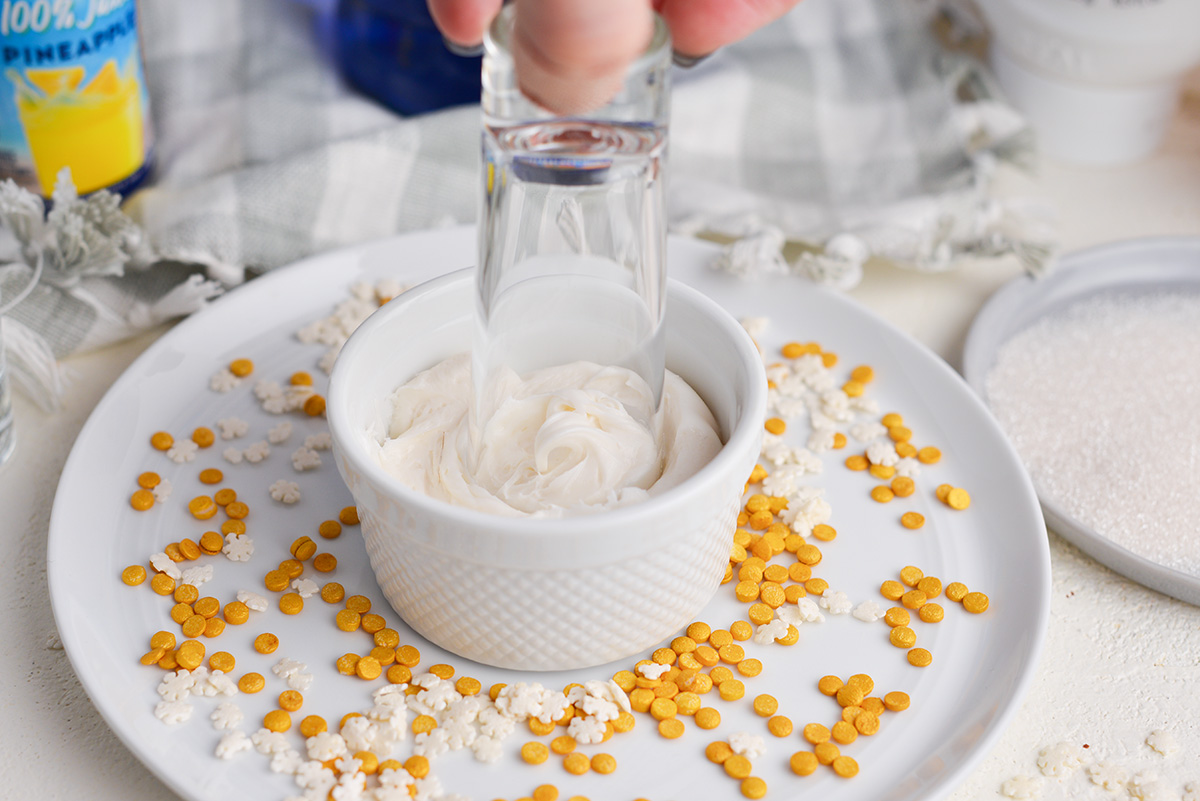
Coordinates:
(537, 594)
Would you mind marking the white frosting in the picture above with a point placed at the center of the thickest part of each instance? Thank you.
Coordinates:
(567, 440)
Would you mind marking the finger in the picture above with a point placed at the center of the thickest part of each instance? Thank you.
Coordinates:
(698, 27)
(571, 56)
(463, 21)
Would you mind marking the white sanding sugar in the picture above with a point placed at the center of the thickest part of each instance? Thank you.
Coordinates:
(1102, 401)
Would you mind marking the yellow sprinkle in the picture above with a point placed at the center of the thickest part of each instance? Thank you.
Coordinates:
(975, 602)
(753, 787)
(958, 498)
(919, 657)
(803, 763)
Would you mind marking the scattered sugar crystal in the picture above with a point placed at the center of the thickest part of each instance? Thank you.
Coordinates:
(751, 746)
(183, 451)
(285, 491)
(1162, 741)
(232, 455)
(223, 381)
(162, 491)
(1021, 787)
(279, 434)
(1089, 395)
(868, 611)
(253, 600)
(232, 427)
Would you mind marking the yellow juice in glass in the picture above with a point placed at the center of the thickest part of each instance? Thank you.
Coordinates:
(95, 128)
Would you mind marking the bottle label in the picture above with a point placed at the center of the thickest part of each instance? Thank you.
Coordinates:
(72, 94)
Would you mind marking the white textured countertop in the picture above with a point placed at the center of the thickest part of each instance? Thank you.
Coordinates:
(1120, 661)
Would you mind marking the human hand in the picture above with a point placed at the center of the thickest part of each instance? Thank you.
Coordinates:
(572, 55)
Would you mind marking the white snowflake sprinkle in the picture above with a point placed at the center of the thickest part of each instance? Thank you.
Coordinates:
(285, 491)
(162, 491)
(227, 715)
(836, 601)
(1060, 759)
(1021, 787)
(163, 564)
(232, 427)
(586, 730)
(197, 575)
(653, 670)
(305, 459)
(325, 746)
(173, 713)
(868, 612)
(183, 451)
(319, 442)
(238, 549)
(223, 381)
(233, 743)
(253, 600)
(488, 749)
(280, 433)
(232, 455)
(176, 686)
(748, 745)
(257, 452)
(305, 588)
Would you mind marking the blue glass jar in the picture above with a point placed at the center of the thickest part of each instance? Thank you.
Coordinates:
(392, 51)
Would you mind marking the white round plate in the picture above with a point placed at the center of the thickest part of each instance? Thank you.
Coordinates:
(982, 663)
(1139, 265)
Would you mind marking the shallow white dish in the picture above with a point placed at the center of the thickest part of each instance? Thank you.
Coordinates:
(1140, 265)
(982, 664)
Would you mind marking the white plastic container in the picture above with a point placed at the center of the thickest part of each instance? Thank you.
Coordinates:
(545, 594)
(1098, 79)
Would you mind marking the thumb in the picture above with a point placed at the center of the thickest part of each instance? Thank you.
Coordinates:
(571, 56)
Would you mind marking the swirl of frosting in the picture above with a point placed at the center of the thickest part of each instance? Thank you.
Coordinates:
(572, 439)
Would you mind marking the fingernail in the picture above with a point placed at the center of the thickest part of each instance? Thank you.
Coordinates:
(467, 51)
(686, 61)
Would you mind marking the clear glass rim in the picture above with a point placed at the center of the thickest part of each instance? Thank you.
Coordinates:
(497, 41)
